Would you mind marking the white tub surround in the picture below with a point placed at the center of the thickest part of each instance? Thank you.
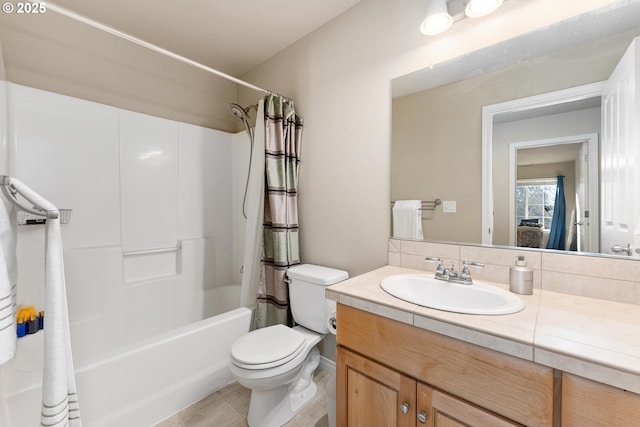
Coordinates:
(149, 255)
(592, 338)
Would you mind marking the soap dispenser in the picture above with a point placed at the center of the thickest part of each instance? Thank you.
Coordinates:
(521, 277)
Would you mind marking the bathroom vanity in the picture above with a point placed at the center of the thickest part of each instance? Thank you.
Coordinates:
(399, 364)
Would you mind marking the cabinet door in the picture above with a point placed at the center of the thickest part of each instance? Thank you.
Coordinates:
(588, 403)
(372, 395)
(438, 409)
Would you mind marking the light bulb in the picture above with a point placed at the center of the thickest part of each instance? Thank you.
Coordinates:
(438, 19)
(478, 8)
(435, 24)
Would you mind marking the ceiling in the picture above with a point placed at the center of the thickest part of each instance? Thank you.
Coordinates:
(232, 36)
(64, 50)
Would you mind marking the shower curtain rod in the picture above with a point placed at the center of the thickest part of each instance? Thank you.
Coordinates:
(81, 18)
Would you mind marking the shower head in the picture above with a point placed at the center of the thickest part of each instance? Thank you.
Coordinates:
(242, 114)
(238, 112)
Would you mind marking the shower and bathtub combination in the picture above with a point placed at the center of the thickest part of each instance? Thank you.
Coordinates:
(153, 255)
(160, 251)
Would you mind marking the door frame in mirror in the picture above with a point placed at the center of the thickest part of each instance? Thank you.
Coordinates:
(489, 113)
(593, 170)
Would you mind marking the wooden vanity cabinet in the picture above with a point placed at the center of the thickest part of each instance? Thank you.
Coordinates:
(589, 403)
(389, 372)
(377, 396)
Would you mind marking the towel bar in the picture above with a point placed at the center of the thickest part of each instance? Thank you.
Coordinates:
(152, 251)
(426, 205)
(10, 191)
(36, 214)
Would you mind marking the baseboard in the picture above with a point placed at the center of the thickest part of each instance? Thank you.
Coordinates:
(328, 365)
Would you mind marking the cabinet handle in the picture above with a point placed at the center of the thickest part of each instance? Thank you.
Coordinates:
(422, 417)
(404, 408)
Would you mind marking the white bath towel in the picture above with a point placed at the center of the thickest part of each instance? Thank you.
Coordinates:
(8, 279)
(59, 395)
(407, 219)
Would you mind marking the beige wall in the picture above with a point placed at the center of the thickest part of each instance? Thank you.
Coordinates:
(339, 77)
(52, 52)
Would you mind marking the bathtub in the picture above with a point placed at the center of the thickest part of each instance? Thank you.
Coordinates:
(143, 383)
(134, 368)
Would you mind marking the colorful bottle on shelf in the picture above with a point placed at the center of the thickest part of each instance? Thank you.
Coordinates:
(28, 321)
(21, 329)
(32, 325)
(41, 320)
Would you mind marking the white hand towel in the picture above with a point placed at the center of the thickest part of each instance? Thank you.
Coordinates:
(407, 219)
(59, 395)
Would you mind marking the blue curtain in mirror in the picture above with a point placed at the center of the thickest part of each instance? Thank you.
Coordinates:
(558, 222)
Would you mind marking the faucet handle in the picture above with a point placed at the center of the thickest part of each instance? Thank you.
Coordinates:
(466, 274)
(432, 259)
(440, 268)
(473, 264)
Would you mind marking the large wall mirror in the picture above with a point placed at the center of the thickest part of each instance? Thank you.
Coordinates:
(493, 130)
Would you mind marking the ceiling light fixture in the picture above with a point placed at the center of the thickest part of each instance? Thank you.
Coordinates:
(438, 19)
(441, 14)
(478, 8)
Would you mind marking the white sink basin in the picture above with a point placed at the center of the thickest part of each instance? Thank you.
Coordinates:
(478, 298)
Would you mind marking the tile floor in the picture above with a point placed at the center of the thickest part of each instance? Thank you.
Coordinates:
(228, 407)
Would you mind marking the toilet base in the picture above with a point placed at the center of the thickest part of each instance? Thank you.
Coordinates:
(273, 408)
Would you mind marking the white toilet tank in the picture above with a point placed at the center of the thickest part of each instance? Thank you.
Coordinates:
(307, 284)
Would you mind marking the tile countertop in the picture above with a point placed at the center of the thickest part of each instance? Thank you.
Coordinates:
(592, 338)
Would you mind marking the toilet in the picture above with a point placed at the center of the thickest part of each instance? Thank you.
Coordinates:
(277, 362)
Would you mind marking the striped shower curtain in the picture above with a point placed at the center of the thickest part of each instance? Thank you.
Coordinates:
(283, 136)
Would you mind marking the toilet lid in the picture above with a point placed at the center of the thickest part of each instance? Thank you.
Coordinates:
(267, 347)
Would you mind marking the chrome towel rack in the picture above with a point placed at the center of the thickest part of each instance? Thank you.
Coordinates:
(40, 211)
(426, 205)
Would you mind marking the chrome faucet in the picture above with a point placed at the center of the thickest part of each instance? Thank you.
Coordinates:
(451, 274)
(465, 275)
(440, 270)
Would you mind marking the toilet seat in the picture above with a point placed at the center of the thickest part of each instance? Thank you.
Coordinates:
(267, 347)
